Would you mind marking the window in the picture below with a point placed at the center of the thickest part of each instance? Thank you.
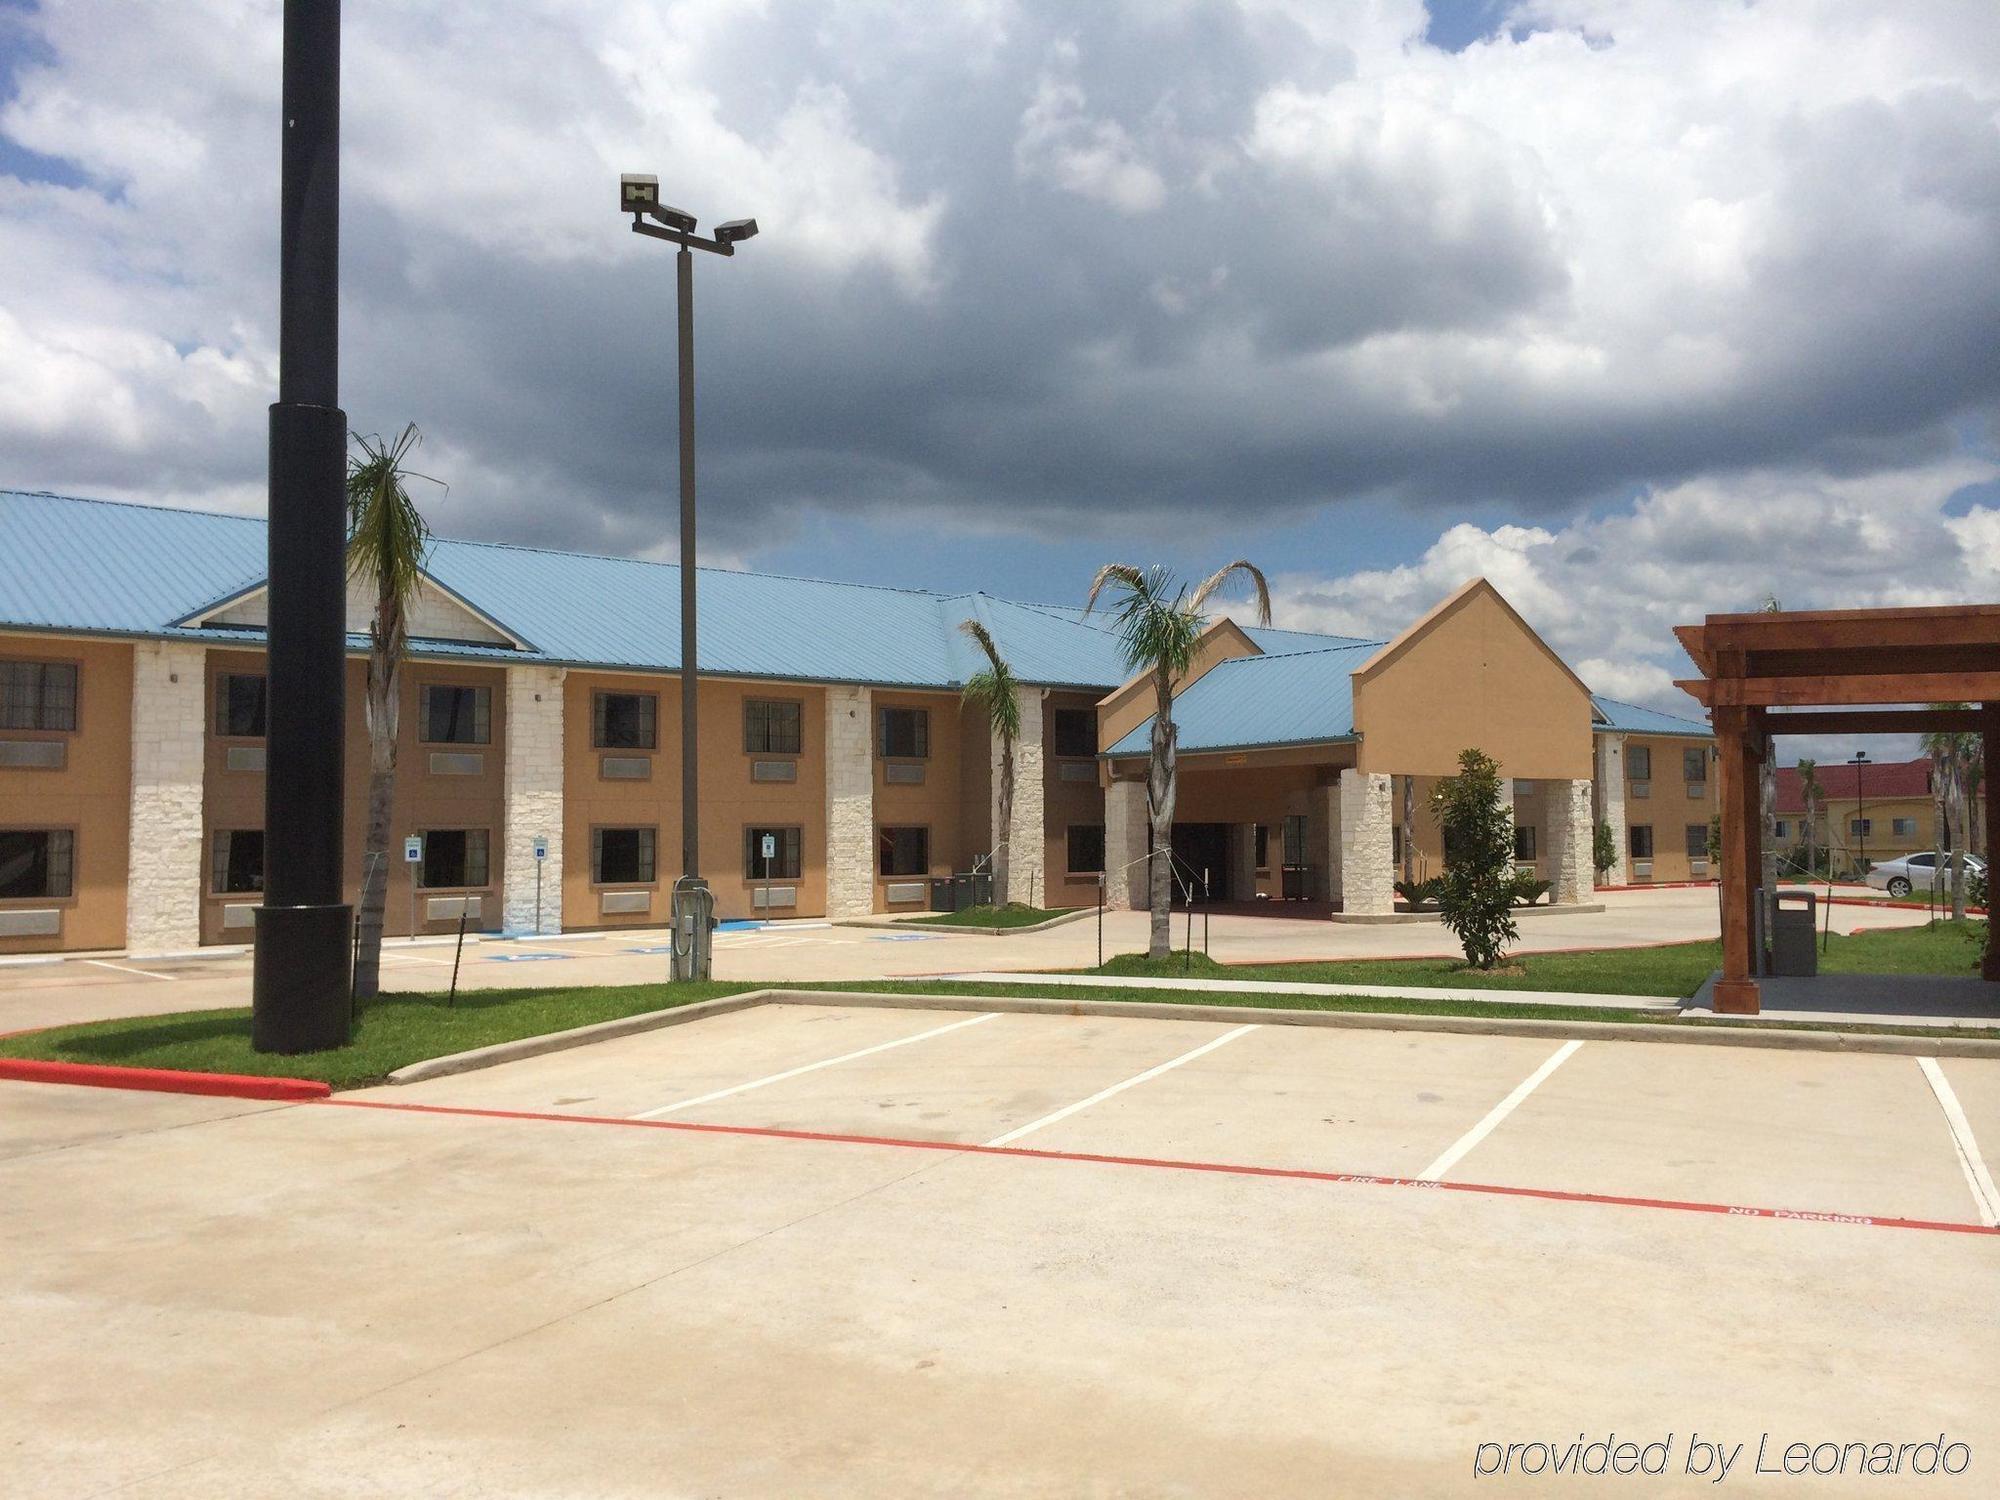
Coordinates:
(1922, 861)
(1903, 828)
(1697, 840)
(236, 861)
(1860, 828)
(1780, 828)
(784, 863)
(1295, 838)
(1640, 837)
(239, 705)
(1263, 847)
(621, 856)
(770, 728)
(1075, 731)
(449, 714)
(454, 858)
(1086, 849)
(623, 721)
(1694, 765)
(906, 733)
(36, 864)
(1524, 842)
(1639, 763)
(37, 695)
(904, 851)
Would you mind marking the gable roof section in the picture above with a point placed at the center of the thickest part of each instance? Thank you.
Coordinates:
(1424, 623)
(1610, 716)
(1886, 781)
(1256, 702)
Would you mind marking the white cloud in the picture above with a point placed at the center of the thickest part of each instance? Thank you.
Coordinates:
(1063, 144)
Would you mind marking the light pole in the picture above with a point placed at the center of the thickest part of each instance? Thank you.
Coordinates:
(639, 196)
(301, 979)
(1859, 760)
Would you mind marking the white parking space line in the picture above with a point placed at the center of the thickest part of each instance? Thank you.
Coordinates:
(758, 1083)
(105, 963)
(413, 958)
(1970, 1162)
(1118, 1088)
(1456, 1152)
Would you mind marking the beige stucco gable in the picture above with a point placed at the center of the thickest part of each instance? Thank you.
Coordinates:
(1472, 675)
(434, 614)
(1122, 711)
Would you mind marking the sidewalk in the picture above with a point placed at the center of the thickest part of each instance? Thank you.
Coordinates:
(1384, 991)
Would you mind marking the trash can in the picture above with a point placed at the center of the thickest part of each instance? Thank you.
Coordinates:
(1794, 945)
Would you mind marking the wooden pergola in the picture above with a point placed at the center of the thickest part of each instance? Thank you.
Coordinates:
(1842, 671)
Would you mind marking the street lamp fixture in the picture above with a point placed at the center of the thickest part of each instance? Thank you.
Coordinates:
(693, 905)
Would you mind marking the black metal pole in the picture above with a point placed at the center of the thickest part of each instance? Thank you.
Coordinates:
(301, 981)
(690, 662)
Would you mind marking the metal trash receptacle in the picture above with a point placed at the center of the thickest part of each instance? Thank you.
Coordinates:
(1794, 943)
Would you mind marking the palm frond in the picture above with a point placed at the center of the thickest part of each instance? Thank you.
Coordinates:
(386, 533)
(1133, 581)
(994, 688)
(1261, 590)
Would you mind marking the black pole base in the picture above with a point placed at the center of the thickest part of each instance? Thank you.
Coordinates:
(303, 978)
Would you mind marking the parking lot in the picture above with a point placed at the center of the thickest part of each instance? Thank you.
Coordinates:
(828, 1250)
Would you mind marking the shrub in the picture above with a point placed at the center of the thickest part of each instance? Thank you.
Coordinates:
(1604, 849)
(1477, 895)
(1528, 890)
(1419, 892)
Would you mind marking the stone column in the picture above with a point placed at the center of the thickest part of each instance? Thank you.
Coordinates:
(1125, 838)
(1242, 879)
(1367, 839)
(1611, 804)
(163, 896)
(1566, 812)
(534, 799)
(1323, 841)
(1026, 835)
(850, 802)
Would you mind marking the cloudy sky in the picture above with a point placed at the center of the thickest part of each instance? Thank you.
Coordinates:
(1643, 308)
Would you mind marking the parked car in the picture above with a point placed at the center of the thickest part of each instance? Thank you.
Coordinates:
(1917, 872)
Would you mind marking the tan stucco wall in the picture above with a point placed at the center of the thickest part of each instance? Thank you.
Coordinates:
(1472, 676)
(1669, 809)
(1066, 802)
(939, 803)
(90, 795)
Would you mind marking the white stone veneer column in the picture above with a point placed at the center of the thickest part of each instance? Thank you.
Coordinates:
(163, 897)
(1367, 843)
(1566, 806)
(1125, 835)
(1026, 836)
(534, 798)
(850, 802)
(1611, 804)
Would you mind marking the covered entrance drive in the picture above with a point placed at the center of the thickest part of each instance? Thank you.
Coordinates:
(1850, 672)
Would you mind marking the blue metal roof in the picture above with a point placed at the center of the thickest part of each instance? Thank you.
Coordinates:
(1302, 698)
(1614, 717)
(133, 570)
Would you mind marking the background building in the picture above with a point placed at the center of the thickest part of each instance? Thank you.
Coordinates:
(541, 705)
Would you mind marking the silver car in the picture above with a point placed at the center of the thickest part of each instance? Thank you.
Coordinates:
(1918, 872)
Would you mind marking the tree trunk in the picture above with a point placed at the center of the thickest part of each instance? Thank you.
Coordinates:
(384, 668)
(1958, 837)
(1160, 791)
(1003, 851)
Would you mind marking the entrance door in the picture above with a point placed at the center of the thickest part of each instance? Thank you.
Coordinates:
(1201, 847)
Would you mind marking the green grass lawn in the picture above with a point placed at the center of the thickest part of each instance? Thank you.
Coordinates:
(1016, 915)
(1674, 972)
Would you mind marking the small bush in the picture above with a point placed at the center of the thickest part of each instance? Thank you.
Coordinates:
(1528, 890)
(1477, 899)
(1604, 849)
(1418, 893)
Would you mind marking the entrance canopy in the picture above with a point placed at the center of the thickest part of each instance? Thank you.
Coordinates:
(1848, 671)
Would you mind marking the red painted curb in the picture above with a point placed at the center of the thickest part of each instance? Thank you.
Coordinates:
(161, 1080)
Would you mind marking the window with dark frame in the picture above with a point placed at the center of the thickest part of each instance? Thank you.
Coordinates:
(906, 733)
(625, 721)
(236, 862)
(1295, 838)
(785, 862)
(1074, 731)
(239, 705)
(1694, 765)
(454, 859)
(1697, 837)
(38, 695)
(621, 856)
(1639, 762)
(772, 726)
(450, 713)
(1086, 849)
(1640, 838)
(1263, 847)
(1524, 842)
(904, 851)
(37, 864)
(1860, 827)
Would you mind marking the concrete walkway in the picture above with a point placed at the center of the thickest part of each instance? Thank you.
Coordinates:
(1868, 999)
(1385, 991)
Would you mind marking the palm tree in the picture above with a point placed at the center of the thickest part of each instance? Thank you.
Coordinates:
(1161, 621)
(386, 539)
(1952, 755)
(1810, 792)
(993, 690)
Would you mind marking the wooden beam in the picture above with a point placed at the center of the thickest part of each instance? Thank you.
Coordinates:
(1989, 965)
(1811, 692)
(1694, 641)
(1835, 629)
(1698, 688)
(1736, 988)
(1878, 721)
